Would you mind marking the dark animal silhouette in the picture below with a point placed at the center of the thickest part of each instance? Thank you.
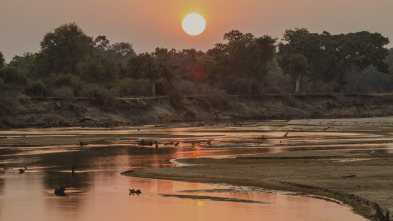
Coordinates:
(170, 143)
(132, 191)
(209, 142)
(21, 170)
(144, 143)
(176, 144)
(59, 191)
(156, 143)
(326, 128)
(286, 134)
(81, 143)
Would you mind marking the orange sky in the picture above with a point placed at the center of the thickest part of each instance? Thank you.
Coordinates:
(157, 23)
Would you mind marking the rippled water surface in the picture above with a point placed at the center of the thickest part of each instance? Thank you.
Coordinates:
(98, 191)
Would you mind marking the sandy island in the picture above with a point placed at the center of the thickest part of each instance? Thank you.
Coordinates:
(359, 178)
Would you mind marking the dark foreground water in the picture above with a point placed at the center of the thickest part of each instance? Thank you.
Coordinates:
(97, 190)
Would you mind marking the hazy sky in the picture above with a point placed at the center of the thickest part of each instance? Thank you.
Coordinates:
(148, 24)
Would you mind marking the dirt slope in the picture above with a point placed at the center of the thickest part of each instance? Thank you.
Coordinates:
(54, 112)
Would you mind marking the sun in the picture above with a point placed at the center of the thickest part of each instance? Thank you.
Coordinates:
(194, 24)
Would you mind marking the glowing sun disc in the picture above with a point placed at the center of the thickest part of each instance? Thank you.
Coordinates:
(194, 24)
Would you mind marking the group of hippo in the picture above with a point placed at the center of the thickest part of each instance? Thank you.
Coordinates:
(137, 192)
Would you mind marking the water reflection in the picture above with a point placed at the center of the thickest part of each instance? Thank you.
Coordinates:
(97, 191)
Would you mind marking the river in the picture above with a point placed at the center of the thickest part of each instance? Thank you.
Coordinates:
(98, 191)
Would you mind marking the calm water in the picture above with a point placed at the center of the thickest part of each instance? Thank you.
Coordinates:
(99, 192)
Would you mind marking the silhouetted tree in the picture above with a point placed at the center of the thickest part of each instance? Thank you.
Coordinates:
(143, 66)
(296, 65)
(152, 66)
(117, 52)
(64, 48)
(331, 57)
(243, 56)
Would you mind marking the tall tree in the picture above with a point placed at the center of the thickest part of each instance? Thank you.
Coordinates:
(152, 66)
(65, 48)
(144, 66)
(296, 66)
(166, 68)
(243, 58)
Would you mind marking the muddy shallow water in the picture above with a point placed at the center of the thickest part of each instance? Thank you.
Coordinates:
(98, 191)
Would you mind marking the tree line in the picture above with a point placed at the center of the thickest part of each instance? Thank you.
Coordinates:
(73, 64)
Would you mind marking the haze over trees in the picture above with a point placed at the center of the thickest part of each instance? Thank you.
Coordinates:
(73, 64)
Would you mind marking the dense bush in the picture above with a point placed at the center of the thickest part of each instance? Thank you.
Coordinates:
(62, 91)
(37, 89)
(11, 76)
(131, 87)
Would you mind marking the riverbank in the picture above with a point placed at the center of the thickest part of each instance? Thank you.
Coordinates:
(28, 112)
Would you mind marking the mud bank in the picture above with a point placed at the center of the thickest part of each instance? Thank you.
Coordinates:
(108, 112)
